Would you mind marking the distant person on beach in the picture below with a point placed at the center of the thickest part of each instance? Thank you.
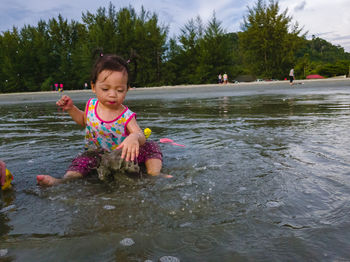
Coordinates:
(291, 76)
(220, 79)
(225, 78)
(109, 125)
(86, 85)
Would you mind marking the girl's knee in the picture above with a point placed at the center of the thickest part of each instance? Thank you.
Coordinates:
(72, 175)
(153, 166)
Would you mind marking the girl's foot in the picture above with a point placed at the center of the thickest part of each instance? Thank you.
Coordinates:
(45, 180)
(165, 175)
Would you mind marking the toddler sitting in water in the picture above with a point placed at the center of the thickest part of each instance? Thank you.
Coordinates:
(109, 125)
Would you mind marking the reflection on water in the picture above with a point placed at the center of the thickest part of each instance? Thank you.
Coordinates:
(263, 177)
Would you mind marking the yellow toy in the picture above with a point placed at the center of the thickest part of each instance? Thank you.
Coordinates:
(8, 180)
(147, 132)
(5, 177)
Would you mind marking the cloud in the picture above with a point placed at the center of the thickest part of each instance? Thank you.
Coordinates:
(327, 19)
(18, 14)
(300, 6)
(12, 12)
(345, 37)
(177, 13)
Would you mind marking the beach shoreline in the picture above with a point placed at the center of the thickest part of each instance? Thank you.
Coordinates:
(240, 84)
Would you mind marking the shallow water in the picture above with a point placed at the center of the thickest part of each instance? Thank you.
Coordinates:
(264, 176)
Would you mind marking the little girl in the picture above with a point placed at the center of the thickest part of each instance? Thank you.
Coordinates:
(109, 125)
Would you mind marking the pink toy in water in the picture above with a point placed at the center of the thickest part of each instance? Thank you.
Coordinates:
(168, 140)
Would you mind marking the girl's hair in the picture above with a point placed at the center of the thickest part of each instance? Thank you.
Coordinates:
(109, 62)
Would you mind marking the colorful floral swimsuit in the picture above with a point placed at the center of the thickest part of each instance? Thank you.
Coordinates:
(105, 134)
(102, 136)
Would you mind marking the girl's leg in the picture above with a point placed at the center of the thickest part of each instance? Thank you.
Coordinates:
(46, 180)
(80, 167)
(153, 166)
(151, 155)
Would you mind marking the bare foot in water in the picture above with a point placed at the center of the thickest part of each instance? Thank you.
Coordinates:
(45, 180)
(165, 175)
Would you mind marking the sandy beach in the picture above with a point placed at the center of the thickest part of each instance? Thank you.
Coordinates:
(327, 81)
(186, 91)
(260, 83)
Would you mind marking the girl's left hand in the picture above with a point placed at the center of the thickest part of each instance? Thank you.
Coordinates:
(130, 148)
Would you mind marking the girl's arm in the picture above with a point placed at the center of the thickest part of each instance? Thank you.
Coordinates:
(134, 130)
(131, 144)
(66, 103)
(77, 115)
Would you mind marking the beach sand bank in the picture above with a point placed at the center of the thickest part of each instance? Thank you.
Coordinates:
(246, 87)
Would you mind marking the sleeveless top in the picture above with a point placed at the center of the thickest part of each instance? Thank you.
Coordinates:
(105, 134)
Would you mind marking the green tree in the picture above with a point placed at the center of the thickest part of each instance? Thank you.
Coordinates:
(148, 49)
(64, 39)
(215, 53)
(191, 34)
(341, 67)
(138, 38)
(64, 51)
(10, 62)
(102, 29)
(269, 40)
(35, 51)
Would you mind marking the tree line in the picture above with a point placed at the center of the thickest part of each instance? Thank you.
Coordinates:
(33, 58)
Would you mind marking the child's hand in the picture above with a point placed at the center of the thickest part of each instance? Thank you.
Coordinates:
(130, 147)
(66, 103)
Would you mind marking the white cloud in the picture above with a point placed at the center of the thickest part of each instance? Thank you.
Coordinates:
(300, 6)
(327, 19)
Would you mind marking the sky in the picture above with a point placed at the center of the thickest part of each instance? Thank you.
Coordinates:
(326, 19)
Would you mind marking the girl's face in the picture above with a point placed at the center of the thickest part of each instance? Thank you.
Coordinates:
(111, 88)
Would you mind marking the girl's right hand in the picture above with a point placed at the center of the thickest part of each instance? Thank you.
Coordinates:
(66, 103)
